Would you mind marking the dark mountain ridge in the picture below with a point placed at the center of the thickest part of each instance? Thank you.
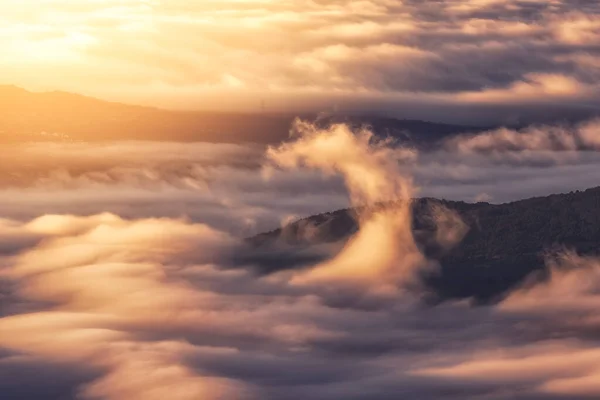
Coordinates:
(26, 115)
(504, 244)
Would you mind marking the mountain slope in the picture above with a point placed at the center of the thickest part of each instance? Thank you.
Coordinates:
(505, 243)
(25, 115)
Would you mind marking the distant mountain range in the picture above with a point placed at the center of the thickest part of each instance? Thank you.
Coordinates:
(504, 244)
(27, 115)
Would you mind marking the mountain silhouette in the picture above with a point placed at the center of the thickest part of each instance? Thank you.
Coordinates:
(35, 116)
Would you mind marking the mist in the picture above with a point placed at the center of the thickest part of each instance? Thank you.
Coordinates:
(123, 275)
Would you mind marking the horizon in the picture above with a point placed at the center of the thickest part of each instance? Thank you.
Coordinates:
(266, 112)
(331, 111)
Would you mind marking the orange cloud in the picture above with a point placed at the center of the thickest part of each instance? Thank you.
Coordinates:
(236, 52)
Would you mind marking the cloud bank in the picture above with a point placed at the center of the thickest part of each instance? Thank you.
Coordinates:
(224, 186)
(95, 305)
(470, 60)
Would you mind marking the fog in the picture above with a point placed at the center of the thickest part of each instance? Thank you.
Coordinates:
(122, 274)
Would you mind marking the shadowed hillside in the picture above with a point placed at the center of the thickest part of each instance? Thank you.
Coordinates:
(55, 115)
(504, 244)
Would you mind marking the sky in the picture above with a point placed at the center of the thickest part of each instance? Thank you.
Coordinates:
(515, 57)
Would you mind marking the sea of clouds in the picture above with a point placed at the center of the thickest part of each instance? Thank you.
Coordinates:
(121, 273)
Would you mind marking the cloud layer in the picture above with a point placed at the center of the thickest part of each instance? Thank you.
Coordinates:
(225, 186)
(97, 305)
(515, 57)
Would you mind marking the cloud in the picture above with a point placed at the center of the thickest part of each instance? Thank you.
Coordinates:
(105, 306)
(442, 56)
(560, 313)
(450, 228)
(99, 273)
(369, 165)
(586, 136)
(141, 322)
(534, 160)
(537, 366)
(571, 286)
(223, 185)
(218, 184)
(370, 168)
